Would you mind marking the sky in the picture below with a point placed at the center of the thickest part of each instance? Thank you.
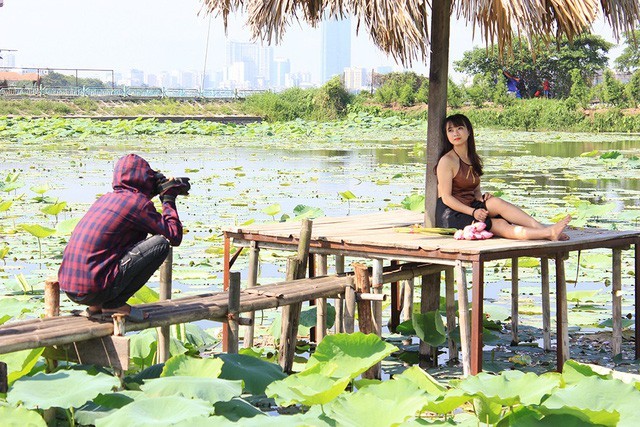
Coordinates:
(165, 35)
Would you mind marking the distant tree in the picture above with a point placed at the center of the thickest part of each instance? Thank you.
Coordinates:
(612, 89)
(588, 53)
(629, 59)
(455, 94)
(579, 90)
(54, 79)
(403, 88)
(331, 99)
(633, 88)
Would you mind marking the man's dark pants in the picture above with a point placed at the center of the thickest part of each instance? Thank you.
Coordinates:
(136, 267)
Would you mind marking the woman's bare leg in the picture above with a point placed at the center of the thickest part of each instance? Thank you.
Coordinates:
(502, 228)
(512, 213)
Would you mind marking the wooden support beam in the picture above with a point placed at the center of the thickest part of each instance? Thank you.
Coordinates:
(290, 321)
(546, 305)
(514, 301)
(451, 311)
(463, 313)
(252, 280)
(164, 332)
(562, 323)
(616, 301)
(408, 286)
(51, 297)
(370, 297)
(396, 303)
(636, 288)
(321, 303)
(429, 301)
(339, 302)
(233, 313)
(477, 316)
(363, 285)
(376, 287)
(349, 308)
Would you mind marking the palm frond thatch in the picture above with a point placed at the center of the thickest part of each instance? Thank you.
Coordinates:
(401, 28)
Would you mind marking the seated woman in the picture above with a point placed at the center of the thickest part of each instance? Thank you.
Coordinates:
(460, 201)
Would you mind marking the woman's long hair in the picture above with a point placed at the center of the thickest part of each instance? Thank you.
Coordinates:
(461, 120)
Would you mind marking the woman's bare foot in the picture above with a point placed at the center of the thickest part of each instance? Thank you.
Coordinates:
(557, 229)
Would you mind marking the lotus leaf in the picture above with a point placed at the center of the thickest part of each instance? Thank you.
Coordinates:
(54, 209)
(429, 327)
(20, 417)
(528, 417)
(5, 205)
(317, 385)
(272, 210)
(385, 404)
(596, 400)
(62, 389)
(511, 387)
(66, 227)
(423, 380)
(38, 230)
(182, 365)
(256, 374)
(20, 363)
(352, 353)
(157, 412)
(447, 402)
(209, 389)
(415, 202)
(236, 409)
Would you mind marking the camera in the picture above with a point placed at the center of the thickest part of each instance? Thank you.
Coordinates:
(163, 184)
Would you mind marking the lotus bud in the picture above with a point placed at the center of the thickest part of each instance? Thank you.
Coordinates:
(486, 234)
(480, 226)
(458, 235)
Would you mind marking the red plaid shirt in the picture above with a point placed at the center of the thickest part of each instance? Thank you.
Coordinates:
(114, 223)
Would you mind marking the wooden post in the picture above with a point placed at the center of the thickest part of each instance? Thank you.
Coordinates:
(514, 301)
(463, 312)
(252, 280)
(4, 380)
(321, 303)
(546, 305)
(477, 316)
(451, 310)
(226, 262)
(407, 311)
(339, 302)
(636, 289)
(164, 332)
(233, 314)
(396, 303)
(349, 308)
(429, 301)
(376, 286)
(290, 320)
(365, 315)
(562, 323)
(616, 293)
(51, 297)
(51, 309)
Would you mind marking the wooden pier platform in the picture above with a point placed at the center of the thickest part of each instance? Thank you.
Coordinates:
(373, 236)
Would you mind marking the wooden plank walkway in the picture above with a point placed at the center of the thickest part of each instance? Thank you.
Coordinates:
(68, 329)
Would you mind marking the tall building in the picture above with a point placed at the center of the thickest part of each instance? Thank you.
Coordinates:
(336, 47)
(281, 69)
(355, 79)
(257, 63)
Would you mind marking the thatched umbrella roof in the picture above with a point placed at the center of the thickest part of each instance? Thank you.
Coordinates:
(401, 29)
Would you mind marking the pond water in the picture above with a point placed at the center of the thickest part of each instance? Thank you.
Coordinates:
(235, 178)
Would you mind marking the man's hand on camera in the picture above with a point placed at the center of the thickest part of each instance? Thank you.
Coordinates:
(173, 188)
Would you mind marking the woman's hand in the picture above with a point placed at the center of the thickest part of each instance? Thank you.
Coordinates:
(480, 214)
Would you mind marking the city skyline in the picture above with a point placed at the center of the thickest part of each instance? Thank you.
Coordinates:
(163, 36)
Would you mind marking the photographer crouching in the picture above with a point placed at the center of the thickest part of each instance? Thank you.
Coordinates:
(109, 257)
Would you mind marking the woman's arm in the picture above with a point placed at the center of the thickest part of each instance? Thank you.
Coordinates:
(445, 173)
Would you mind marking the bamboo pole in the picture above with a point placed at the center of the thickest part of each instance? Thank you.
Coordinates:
(463, 313)
(349, 308)
(339, 302)
(233, 313)
(321, 303)
(52, 297)
(252, 280)
(514, 301)
(408, 286)
(164, 332)
(546, 305)
(451, 311)
(290, 319)
(616, 303)
(562, 323)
